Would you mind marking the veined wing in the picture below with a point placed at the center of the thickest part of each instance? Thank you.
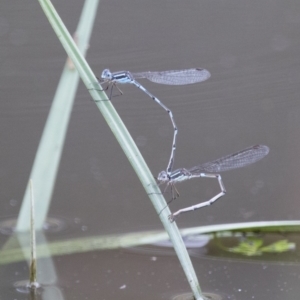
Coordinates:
(175, 77)
(233, 161)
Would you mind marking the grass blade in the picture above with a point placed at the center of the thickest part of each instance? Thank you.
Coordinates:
(125, 141)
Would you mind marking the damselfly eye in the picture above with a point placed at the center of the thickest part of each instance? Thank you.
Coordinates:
(106, 74)
(162, 176)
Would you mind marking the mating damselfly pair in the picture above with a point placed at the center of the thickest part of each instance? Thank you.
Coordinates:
(209, 170)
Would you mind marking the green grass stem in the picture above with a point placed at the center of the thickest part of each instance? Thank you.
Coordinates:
(125, 141)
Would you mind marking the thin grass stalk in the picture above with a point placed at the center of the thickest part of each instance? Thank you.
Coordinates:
(33, 265)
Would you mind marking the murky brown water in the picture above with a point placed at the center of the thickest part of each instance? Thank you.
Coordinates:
(252, 51)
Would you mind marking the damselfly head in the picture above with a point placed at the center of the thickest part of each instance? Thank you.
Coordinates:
(163, 176)
(106, 75)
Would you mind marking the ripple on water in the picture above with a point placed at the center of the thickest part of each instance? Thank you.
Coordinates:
(52, 225)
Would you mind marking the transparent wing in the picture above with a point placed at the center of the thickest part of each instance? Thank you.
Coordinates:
(175, 77)
(233, 161)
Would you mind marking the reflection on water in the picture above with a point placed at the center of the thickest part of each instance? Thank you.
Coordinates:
(23, 287)
(87, 271)
(208, 296)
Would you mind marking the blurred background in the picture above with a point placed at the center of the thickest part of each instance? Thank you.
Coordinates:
(251, 49)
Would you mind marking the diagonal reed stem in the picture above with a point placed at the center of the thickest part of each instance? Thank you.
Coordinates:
(125, 141)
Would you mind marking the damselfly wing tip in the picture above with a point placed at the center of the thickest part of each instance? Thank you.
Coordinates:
(263, 148)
